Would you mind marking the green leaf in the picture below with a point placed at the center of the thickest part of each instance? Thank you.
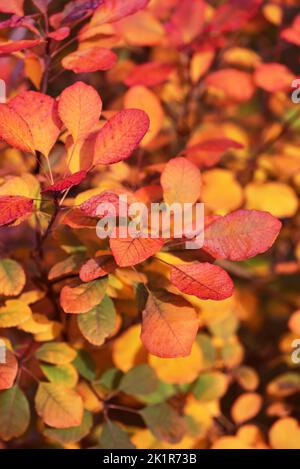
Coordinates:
(57, 353)
(12, 277)
(161, 394)
(14, 413)
(208, 350)
(85, 365)
(72, 434)
(108, 382)
(210, 386)
(164, 422)
(61, 374)
(139, 380)
(114, 437)
(99, 322)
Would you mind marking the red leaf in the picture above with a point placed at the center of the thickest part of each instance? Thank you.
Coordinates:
(120, 136)
(8, 371)
(149, 74)
(215, 145)
(110, 11)
(241, 235)
(10, 47)
(292, 34)
(90, 206)
(234, 14)
(204, 280)
(68, 181)
(97, 267)
(90, 60)
(169, 325)
(13, 207)
(60, 34)
(186, 22)
(131, 251)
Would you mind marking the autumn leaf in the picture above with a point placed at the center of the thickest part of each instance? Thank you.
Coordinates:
(71, 435)
(292, 34)
(139, 380)
(79, 108)
(14, 130)
(246, 407)
(241, 234)
(131, 251)
(82, 297)
(8, 370)
(15, 7)
(57, 353)
(12, 277)
(204, 280)
(114, 437)
(164, 422)
(90, 60)
(14, 313)
(97, 267)
(169, 325)
(40, 113)
(235, 84)
(67, 182)
(149, 74)
(13, 207)
(120, 136)
(98, 322)
(14, 413)
(7, 48)
(110, 11)
(140, 97)
(181, 182)
(58, 406)
(273, 77)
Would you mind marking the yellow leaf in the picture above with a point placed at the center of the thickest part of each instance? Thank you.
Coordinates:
(275, 197)
(58, 406)
(178, 370)
(140, 97)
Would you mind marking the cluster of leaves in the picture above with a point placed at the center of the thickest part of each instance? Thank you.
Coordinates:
(136, 342)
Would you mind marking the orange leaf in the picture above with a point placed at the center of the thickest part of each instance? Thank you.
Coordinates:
(120, 136)
(235, 84)
(90, 60)
(131, 251)
(58, 406)
(13, 6)
(204, 280)
(169, 325)
(81, 298)
(97, 267)
(181, 181)
(14, 129)
(8, 371)
(241, 234)
(40, 113)
(273, 77)
(79, 108)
